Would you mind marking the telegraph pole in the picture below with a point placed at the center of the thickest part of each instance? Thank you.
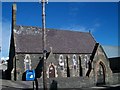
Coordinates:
(44, 45)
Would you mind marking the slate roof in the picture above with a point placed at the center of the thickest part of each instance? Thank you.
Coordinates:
(29, 40)
(114, 64)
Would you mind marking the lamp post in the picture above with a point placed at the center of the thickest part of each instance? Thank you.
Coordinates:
(44, 45)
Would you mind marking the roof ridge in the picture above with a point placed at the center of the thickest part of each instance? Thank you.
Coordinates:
(27, 26)
(53, 29)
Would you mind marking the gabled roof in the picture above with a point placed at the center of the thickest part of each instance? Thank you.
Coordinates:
(29, 40)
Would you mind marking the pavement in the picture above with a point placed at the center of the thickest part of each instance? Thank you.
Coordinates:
(28, 85)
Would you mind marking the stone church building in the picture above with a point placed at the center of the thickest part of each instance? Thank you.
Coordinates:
(69, 54)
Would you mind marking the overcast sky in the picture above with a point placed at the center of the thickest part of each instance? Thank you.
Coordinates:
(101, 18)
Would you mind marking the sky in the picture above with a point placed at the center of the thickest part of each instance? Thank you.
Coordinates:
(100, 18)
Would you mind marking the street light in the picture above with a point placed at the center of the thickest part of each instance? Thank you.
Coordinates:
(44, 44)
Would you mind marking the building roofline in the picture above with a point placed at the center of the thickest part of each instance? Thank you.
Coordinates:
(54, 29)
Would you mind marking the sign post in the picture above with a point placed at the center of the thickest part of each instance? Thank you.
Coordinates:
(30, 76)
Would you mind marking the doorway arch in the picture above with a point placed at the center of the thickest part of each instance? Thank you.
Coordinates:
(100, 74)
(51, 71)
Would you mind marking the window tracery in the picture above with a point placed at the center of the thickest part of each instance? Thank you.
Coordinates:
(61, 62)
(86, 59)
(27, 62)
(74, 62)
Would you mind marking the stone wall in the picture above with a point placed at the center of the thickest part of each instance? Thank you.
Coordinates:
(101, 59)
(20, 66)
(53, 59)
(69, 82)
(115, 78)
(76, 82)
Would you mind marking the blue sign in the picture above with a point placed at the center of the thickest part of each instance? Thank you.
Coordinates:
(30, 75)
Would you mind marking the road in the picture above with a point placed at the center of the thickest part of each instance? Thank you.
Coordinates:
(23, 85)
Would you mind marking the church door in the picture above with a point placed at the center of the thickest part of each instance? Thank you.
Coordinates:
(51, 71)
(101, 75)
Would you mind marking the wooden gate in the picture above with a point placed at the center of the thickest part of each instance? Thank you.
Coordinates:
(51, 71)
(101, 74)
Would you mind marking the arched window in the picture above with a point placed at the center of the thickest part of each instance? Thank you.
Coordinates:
(74, 62)
(27, 62)
(86, 59)
(51, 71)
(61, 62)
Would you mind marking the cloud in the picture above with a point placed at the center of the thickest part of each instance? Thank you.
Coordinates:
(73, 10)
(0, 28)
(6, 30)
(4, 58)
(75, 27)
(97, 25)
(112, 51)
(0, 33)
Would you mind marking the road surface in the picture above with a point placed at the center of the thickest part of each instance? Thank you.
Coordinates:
(23, 85)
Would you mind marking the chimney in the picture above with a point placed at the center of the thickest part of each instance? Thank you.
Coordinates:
(14, 9)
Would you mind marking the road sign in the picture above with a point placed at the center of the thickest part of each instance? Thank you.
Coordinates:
(30, 75)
